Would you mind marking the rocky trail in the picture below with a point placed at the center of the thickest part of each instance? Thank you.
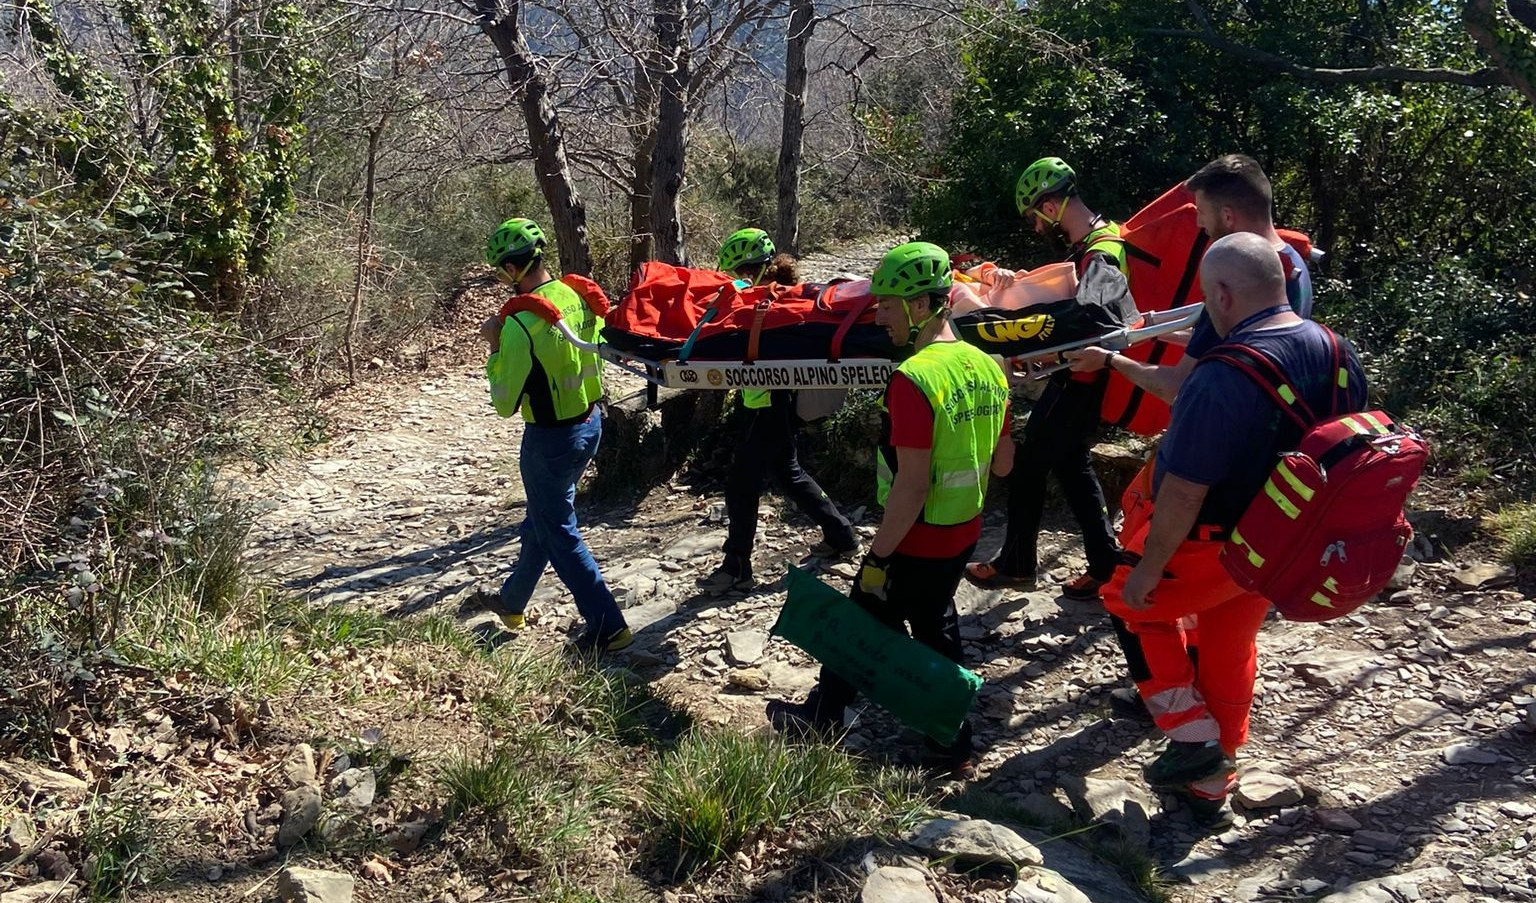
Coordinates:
(1392, 757)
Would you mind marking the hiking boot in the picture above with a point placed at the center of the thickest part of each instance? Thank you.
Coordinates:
(731, 575)
(1125, 704)
(1187, 761)
(826, 549)
(514, 623)
(591, 645)
(801, 719)
(1213, 814)
(986, 575)
(1082, 588)
(948, 766)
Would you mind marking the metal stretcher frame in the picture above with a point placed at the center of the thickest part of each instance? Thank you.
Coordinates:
(858, 373)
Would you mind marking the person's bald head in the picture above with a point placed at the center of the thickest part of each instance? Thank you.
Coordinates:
(1241, 275)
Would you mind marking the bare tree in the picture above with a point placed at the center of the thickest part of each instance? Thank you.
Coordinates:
(499, 19)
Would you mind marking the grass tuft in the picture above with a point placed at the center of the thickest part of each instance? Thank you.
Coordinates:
(1516, 527)
(717, 791)
(118, 840)
(547, 788)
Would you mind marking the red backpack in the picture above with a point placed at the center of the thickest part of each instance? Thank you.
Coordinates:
(1327, 531)
(1163, 248)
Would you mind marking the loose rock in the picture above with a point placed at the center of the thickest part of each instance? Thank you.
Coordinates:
(302, 885)
(1519, 810)
(16, 838)
(1467, 754)
(973, 841)
(299, 769)
(1421, 713)
(1337, 820)
(745, 646)
(301, 812)
(355, 788)
(895, 884)
(1126, 806)
(1483, 575)
(1041, 885)
(1267, 790)
(46, 892)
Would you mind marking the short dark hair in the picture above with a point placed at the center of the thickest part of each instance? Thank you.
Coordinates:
(1236, 181)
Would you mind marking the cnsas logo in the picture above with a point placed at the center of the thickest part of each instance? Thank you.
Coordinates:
(690, 376)
(1023, 329)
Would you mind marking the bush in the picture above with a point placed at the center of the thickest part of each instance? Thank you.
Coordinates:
(1448, 350)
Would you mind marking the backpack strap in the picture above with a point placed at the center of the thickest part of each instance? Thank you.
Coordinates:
(538, 305)
(590, 292)
(1260, 368)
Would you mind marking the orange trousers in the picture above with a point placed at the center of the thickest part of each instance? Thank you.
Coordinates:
(1213, 704)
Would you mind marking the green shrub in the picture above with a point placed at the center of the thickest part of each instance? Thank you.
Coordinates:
(843, 449)
(1448, 351)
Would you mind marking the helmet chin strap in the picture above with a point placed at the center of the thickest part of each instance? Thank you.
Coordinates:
(524, 271)
(914, 328)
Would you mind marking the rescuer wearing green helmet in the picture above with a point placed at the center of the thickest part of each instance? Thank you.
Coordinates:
(535, 371)
(1064, 423)
(767, 445)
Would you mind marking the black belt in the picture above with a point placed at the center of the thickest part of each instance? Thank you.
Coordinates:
(569, 421)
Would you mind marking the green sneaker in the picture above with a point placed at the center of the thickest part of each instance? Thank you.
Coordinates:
(514, 623)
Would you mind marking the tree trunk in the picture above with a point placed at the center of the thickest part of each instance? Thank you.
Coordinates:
(364, 236)
(643, 133)
(1508, 43)
(672, 47)
(567, 213)
(802, 22)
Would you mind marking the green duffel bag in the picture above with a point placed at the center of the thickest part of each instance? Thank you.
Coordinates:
(923, 689)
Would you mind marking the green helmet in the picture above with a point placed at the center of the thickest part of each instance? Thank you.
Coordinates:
(1047, 175)
(745, 247)
(913, 269)
(516, 237)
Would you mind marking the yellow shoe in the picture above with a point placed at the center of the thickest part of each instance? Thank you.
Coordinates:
(514, 623)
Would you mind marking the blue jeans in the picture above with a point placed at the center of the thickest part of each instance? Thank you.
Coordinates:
(551, 461)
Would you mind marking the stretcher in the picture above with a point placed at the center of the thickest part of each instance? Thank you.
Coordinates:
(832, 372)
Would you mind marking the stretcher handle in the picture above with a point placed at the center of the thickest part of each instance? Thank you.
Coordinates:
(1152, 325)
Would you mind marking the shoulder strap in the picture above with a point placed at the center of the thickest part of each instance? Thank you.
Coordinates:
(1260, 368)
(538, 305)
(590, 292)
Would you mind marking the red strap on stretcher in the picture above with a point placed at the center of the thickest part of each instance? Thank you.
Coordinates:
(759, 314)
(835, 352)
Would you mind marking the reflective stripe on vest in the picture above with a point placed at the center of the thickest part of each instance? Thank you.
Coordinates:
(969, 397)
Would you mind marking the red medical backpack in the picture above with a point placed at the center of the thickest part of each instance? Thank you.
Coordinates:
(1327, 531)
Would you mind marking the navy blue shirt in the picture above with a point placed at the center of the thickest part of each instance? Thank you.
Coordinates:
(1227, 431)
(1298, 291)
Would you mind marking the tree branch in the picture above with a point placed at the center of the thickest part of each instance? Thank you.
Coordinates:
(1481, 78)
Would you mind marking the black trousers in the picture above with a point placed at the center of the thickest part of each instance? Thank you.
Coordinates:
(1058, 436)
(767, 448)
(920, 596)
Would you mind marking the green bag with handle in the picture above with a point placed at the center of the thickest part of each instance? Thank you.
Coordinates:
(921, 688)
